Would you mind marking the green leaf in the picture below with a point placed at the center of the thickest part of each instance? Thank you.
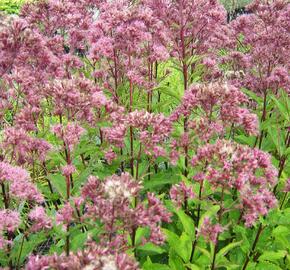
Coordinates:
(151, 248)
(282, 108)
(141, 233)
(58, 182)
(226, 249)
(252, 95)
(276, 139)
(193, 266)
(148, 265)
(78, 241)
(186, 244)
(267, 266)
(161, 179)
(175, 262)
(169, 92)
(28, 245)
(272, 255)
(204, 252)
(187, 223)
(181, 245)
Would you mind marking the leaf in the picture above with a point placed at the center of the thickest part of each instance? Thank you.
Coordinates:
(80, 179)
(141, 233)
(151, 248)
(28, 245)
(252, 95)
(227, 248)
(175, 261)
(276, 139)
(204, 251)
(148, 265)
(187, 223)
(282, 108)
(266, 266)
(169, 92)
(78, 241)
(58, 182)
(181, 245)
(160, 179)
(272, 255)
(186, 244)
(193, 266)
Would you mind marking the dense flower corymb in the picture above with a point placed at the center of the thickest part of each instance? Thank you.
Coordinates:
(247, 170)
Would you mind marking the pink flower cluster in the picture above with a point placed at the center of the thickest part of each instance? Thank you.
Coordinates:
(221, 103)
(93, 257)
(111, 202)
(209, 230)
(261, 56)
(249, 171)
(70, 134)
(180, 193)
(39, 219)
(24, 148)
(9, 222)
(152, 130)
(20, 184)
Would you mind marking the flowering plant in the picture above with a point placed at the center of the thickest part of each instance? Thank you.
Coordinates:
(144, 135)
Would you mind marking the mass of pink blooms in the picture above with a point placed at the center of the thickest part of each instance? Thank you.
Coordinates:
(80, 91)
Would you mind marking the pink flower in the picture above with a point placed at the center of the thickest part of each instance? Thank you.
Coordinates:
(93, 257)
(65, 215)
(9, 221)
(68, 169)
(71, 133)
(179, 193)
(20, 183)
(239, 167)
(210, 231)
(110, 156)
(39, 219)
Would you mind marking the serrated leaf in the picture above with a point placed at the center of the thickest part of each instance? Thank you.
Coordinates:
(181, 245)
(175, 262)
(148, 265)
(282, 108)
(58, 182)
(204, 251)
(227, 248)
(186, 244)
(272, 255)
(151, 248)
(187, 223)
(266, 266)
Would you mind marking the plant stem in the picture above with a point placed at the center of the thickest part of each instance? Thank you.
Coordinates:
(263, 118)
(5, 198)
(20, 252)
(260, 229)
(220, 213)
(283, 200)
(131, 128)
(197, 220)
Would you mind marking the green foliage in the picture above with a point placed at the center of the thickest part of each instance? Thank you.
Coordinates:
(233, 4)
(11, 6)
